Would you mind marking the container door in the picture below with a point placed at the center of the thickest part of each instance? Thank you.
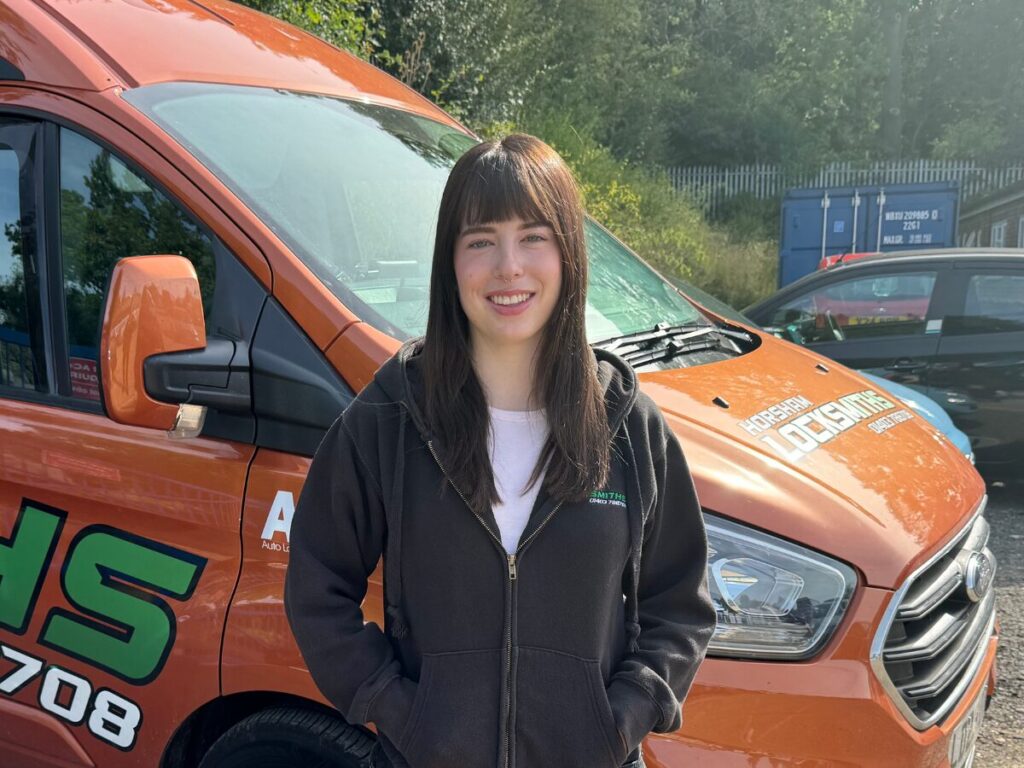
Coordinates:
(908, 217)
(818, 224)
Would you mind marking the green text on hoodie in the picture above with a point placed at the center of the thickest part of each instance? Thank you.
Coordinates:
(566, 654)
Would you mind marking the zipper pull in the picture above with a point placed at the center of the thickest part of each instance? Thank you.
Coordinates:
(512, 567)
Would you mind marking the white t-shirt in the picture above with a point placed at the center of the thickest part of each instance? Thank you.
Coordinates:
(515, 444)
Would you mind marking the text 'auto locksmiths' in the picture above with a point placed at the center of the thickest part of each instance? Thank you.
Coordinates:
(795, 426)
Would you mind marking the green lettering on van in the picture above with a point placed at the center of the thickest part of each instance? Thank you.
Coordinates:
(24, 558)
(115, 579)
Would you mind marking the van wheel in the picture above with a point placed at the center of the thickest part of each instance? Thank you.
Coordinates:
(285, 737)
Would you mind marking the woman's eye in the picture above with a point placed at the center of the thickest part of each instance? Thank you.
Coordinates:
(477, 244)
(536, 238)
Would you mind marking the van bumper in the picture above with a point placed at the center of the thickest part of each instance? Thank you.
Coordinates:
(829, 711)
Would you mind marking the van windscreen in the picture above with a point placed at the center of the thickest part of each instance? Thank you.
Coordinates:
(353, 190)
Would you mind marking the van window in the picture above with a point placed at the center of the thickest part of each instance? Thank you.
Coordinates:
(107, 212)
(864, 307)
(353, 190)
(22, 356)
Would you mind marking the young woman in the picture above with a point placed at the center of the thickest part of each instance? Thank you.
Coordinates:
(544, 552)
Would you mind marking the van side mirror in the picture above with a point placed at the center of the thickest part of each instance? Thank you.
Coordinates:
(158, 369)
(153, 306)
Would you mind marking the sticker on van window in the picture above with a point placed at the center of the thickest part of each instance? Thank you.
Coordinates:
(795, 427)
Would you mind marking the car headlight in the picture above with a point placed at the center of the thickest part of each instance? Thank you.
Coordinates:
(774, 599)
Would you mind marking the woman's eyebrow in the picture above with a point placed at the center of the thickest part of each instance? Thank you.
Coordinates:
(476, 229)
(484, 228)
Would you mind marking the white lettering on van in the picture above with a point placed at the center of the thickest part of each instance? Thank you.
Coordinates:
(279, 520)
(793, 431)
(775, 414)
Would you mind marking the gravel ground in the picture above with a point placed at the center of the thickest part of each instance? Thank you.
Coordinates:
(1001, 742)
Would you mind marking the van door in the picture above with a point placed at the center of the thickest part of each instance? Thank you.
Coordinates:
(120, 545)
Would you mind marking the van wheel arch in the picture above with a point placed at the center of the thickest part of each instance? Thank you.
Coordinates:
(194, 737)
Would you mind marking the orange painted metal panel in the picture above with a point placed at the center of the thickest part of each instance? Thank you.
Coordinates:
(358, 352)
(53, 741)
(45, 52)
(138, 42)
(884, 516)
(185, 494)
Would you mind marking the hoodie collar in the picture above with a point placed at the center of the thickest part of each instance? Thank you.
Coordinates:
(401, 378)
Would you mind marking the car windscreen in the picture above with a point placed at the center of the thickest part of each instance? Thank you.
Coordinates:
(353, 189)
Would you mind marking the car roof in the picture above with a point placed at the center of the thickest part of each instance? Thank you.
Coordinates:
(852, 268)
(932, 254)
(130, 43)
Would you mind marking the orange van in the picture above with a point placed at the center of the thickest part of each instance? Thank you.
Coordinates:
(215, 229)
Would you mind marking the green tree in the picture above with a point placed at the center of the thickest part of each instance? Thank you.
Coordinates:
(351, 25)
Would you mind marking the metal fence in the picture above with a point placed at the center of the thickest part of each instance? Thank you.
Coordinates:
(711, 186)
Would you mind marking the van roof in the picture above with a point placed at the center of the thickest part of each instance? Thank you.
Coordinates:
(128, 43)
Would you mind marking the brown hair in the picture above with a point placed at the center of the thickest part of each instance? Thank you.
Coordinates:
(494, 181)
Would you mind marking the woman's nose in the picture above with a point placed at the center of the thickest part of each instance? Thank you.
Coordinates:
(509, 264)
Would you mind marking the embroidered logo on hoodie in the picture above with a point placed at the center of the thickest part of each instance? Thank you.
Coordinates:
(608, 498)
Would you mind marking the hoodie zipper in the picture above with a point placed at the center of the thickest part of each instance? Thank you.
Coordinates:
(513, 574)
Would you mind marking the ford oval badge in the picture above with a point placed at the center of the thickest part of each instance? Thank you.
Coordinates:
(978, 575)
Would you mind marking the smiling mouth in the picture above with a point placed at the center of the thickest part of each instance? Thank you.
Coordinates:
(510, 301)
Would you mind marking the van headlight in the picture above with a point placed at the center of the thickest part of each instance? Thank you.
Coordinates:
(774, 599)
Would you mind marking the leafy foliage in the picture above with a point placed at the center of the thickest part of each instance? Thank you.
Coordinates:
(352, 25)
(620, 87)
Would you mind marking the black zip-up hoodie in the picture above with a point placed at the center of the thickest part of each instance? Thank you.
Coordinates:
(566, 653)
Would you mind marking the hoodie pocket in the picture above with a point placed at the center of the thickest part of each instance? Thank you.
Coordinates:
(454, 719)
(562, 712)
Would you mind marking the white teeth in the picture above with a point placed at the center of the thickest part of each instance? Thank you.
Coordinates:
(518, 298)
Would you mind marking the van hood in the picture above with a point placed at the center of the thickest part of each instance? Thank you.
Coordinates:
(786, 441)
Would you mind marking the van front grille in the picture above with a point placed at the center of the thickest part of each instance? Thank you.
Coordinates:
(933, 636)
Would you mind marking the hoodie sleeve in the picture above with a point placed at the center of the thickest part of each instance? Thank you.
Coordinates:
(677, 617)
(337, 534)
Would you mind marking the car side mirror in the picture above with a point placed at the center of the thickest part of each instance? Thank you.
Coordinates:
(153, 307)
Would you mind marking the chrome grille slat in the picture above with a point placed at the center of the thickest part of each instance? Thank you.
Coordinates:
(936, 591)
(953, 663)
(932, 638)
(929, 643)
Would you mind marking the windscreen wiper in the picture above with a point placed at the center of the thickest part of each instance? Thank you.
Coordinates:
(674, 347)
(681, 336)
(658, 332)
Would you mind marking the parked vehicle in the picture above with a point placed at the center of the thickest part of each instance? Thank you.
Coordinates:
(921, 404)
(825, 221)
(948, 323)
(216, 229)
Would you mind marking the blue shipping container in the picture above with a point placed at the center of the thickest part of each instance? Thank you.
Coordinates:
(830, 220)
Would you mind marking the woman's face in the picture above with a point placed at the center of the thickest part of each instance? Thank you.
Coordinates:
(509, 275)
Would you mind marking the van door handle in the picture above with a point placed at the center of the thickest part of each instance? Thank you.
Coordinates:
(906, 364)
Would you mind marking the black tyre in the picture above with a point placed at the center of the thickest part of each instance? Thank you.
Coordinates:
(289, 737)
